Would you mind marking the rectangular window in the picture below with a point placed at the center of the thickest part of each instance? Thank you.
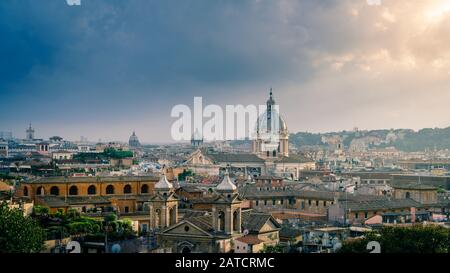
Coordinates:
(257, 202)
(356, 215)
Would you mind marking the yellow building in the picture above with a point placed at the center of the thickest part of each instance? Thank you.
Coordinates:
(125, 195)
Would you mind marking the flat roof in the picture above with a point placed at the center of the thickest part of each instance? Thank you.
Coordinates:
(91, 179)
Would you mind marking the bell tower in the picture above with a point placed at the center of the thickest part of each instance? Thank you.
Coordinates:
(226, 209)
(163, 205)
(30, 133)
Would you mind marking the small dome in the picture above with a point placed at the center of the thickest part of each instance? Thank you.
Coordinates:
(262, 126)
(277, 124)
(163, 184)
(226, 185)
(133, 142)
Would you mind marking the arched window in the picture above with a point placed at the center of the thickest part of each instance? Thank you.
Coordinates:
(274, 153)
(110, 189)
(172, 217)
(221, 219)
(144, 188)
(54, 190)
(408, 195)
(92, 190)
(25, 191)
(127, 189)
(186, 250)
(236, 221)
(73, 190)
(157, 218)
(40, 191)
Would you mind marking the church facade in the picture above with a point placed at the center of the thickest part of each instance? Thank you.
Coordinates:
(269, 156)
(272, 135)
(217, 230)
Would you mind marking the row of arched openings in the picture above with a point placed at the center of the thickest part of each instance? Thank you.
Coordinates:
(171, 221)
(92, 190)
(221, 221)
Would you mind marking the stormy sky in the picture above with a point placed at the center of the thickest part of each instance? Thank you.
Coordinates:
(108, 67)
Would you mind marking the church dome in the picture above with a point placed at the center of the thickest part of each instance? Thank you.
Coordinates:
(226, 185)
(133, 142)
(263, 127)
(270, 123)
(163, 184)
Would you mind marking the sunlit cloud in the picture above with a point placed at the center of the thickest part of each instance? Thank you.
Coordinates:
(333, 64)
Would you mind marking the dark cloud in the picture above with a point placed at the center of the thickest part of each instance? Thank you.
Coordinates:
(121, 65)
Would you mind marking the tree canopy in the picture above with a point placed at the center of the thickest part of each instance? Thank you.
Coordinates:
(416, 239)
(19, 233)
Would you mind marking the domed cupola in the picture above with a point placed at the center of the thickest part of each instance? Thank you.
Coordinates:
(163, 185)
(272, 137)
(133, 142)
(226, 186)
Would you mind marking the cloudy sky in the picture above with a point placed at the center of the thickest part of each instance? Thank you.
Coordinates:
(108, 67)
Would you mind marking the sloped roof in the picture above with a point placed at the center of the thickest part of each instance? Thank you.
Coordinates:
(294, 159)
(252, 192)
(92, 179)
(203, 222)
(231, 157)
(414, 187)
(254, 221)
(59, 201)
(380, 204)
(250, 240)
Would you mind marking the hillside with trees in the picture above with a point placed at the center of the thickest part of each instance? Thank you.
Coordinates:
(406, 140)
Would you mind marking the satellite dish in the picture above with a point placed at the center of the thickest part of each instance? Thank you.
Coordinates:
(245, 232)
(115, 248)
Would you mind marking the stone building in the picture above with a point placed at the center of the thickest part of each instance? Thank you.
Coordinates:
(163, 205)
(207, 162)
(272, 136)
(359, 211)
(126, 195)
(423, 194)
(216, 231)
(133, 142)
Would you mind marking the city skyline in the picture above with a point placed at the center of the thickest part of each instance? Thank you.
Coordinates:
(106, 68)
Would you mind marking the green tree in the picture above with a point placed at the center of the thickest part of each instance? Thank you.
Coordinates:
(273, 249)
(416, 239)
(186, 173)
(19, 233)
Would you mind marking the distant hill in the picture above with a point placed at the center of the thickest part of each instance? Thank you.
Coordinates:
(402, 139)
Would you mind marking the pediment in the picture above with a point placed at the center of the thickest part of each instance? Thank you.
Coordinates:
(181, 230)
(198, 158)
